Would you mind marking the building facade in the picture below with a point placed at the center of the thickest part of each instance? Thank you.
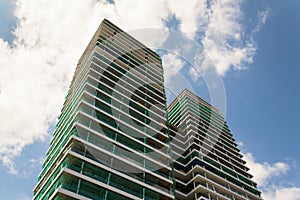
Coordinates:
(116, 139)
(207, 162)
(109, 142)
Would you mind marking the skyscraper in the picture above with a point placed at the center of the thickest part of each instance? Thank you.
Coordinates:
(115, 138)
(207, 163)
(109, 141)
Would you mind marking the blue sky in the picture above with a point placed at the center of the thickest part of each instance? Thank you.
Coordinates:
(262, 95)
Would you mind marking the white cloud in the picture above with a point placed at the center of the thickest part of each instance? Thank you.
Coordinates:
(224, 40)
(142, 13)
(192, 15)
(36, 70)
(175, 80)
(262, 19)
(265, 174)
(281, 193)
(172, 65)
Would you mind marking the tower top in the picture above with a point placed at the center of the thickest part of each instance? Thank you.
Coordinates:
(106, 24)
(186, 92)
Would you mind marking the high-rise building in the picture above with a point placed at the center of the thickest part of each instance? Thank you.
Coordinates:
(109, 142)
(207, 164)
(115, 138)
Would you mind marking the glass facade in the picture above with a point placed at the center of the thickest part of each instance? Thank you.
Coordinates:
(110, 141)
(115, 138)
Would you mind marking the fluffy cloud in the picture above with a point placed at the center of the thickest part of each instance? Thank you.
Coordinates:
(281, 193)
(192, 16)
(50, 36)
(35, 72)
(224, 41)
(265, 173)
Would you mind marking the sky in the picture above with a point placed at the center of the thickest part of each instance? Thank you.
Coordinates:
(252, 47)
